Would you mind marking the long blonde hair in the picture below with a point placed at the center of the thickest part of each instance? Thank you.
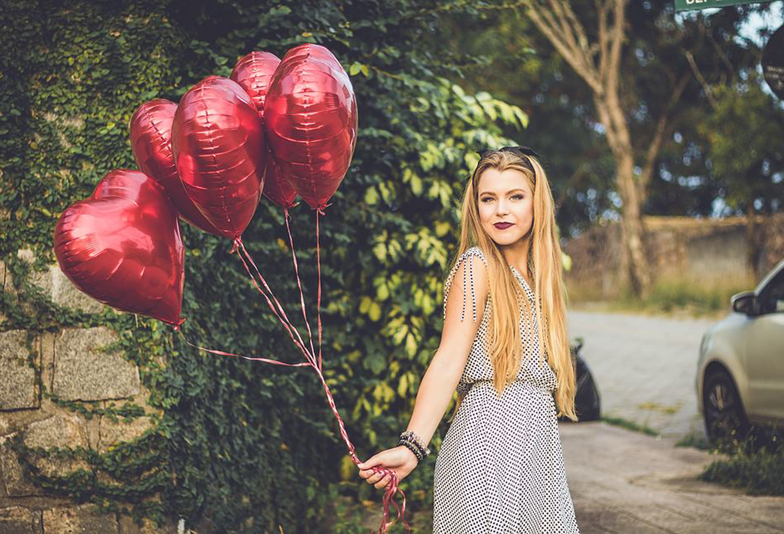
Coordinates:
(544, 266)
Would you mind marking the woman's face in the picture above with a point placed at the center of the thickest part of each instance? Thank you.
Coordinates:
(505, 197)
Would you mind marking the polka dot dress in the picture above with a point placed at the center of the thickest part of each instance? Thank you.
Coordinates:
(500, 469)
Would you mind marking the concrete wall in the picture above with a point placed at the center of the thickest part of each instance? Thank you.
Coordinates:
(72, 366)
(705, 251)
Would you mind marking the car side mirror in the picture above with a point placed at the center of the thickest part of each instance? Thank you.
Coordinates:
(745, 303)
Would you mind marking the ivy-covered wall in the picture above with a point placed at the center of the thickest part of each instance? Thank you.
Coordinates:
(225, 444)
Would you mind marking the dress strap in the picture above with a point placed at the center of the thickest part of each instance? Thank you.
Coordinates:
(468, 279)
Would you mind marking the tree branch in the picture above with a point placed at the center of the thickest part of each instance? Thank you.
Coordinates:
(658, 138)
(577, 58)
(700, 78)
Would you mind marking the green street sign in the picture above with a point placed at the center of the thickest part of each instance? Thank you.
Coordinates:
(690, 5)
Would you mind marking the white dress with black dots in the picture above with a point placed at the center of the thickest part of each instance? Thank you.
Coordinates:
(500, 469)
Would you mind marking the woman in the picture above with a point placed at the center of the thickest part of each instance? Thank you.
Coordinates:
(500, 468)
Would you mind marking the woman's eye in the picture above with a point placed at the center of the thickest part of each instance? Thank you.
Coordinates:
(486, 199)
(518, 196)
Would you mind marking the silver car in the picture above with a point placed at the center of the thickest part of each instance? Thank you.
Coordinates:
(740, 373)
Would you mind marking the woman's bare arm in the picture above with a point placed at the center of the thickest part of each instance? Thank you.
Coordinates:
(446, 367)
(443, 373)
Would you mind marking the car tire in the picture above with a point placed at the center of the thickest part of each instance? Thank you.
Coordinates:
(725, 418)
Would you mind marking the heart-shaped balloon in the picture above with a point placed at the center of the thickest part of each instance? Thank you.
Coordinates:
(310, 115)
(219, 147)
(253, 72)
(151, 143)
(122, 246)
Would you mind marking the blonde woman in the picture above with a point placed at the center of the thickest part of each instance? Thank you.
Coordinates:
(500, 468)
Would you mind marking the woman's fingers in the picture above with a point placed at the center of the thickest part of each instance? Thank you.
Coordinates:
(381, 476)
(383, 482)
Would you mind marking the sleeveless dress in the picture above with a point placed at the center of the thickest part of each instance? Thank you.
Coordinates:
(500, 469)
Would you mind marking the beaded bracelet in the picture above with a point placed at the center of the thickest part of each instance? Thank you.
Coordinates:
(411, 437)
(410, 443)
(412, 448)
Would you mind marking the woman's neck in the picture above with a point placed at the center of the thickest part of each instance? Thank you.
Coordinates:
(516, 255)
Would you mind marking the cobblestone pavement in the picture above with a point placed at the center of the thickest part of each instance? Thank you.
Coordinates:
(627, 482)
(644, 367)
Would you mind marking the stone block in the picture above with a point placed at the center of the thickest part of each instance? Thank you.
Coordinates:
(17, 387)
(17, 520)
(14, 479)
(79, 519)
(129, 526)
(83, 372)
(61, 431)
(58, 287)
(112, 433)
(61, 290)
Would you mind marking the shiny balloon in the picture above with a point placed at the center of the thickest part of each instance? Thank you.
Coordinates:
(254, 72)
(219, 146)
(122, 246)
(310, 115)
(151, 143)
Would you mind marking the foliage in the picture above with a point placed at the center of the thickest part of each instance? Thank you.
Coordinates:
(516, 63)
(630, 425)
(755, 462)
(751, 172)
(244, 447)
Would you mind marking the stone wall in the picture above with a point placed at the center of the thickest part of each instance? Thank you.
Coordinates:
(678, 248)
(72, 365)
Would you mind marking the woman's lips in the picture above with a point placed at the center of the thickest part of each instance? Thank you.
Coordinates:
(502, 226)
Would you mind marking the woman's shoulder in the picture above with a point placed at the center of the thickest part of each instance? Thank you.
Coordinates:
(473, 251)
(476, 251)
(473, 279)
(461, 260)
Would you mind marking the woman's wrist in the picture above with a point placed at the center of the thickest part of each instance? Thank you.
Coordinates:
(414, 443)
(413, 452)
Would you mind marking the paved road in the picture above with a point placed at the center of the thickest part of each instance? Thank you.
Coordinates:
(644, 366)
(626, 482)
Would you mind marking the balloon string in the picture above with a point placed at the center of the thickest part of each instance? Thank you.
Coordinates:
(392, 487)
(253, 359)
(284, 319)
(318, 262)
(286, 217)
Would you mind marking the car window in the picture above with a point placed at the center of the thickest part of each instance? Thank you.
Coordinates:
(772, 297)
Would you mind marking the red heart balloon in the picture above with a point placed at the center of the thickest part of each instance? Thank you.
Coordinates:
(151, 143)
(253, 72)
(310, 115)
(218, 144)
(122, 246)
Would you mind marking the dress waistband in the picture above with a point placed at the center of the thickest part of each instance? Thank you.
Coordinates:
(466, 386)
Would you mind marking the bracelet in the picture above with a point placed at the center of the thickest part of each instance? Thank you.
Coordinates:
(416, 441)
(413, 449)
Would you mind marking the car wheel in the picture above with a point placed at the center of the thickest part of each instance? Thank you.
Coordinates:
(724, 415)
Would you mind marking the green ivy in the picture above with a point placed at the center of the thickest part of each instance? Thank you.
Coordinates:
(243, 446)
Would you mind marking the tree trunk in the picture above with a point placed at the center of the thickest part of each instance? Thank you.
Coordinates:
(618, 137)
(631, 218)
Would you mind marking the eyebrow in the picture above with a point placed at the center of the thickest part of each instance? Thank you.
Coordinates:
(512, 191)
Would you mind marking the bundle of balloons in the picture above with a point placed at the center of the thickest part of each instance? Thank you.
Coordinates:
(280, 128)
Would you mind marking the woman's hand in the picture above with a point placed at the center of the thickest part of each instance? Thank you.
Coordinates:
(400, 460)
